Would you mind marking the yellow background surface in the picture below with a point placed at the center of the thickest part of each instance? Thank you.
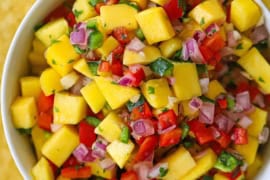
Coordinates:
(11, 14)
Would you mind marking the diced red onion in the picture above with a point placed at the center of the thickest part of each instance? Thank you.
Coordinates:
(80, 152)
(222, 123)
(185, 54)
(55, 127)
(163, 131)
(207, 112)
(89, 157)
(135, 45)
(212, 29)
(195, 104)
(243, 100)
(235, 116)
(245, 122)
(126, 80)
(244, 166)
(80, 35)
(204, 83)
(155, 171)
(259, 100)
(194, 51)
(142, 169)
(215, 132)
(107, 163)
(171, 80)
(258, 34)
(199, 36)
(233, 38)
(142, 127)
(264, 135)
(81, 82)
(98, 149)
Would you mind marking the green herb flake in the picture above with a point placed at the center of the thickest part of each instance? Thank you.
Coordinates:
(71, 61)
(202, 22)
(226, 162)
(188, 144)
(93, 121)
(53, 61)
(93, 67)
(56, 109)
(94, 2)
(25, 131)
(95, 40)
(165, 109)
(47, 135)
(92, 24)
(125, 134)
(140, 34)
(163, 171)
(206, 99)
(231, 103)
(54, 41)
(131, 105)
(261, 80)
(77, 13)
(162, 67)
(239, 46)
(185, 130)
(202, 69)
(151, 90)
(262, 45)
(79, 50)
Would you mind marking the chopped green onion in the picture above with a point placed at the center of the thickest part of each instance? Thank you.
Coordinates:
(79, 50)
(130, 105)
(94, 2)
(77, 13)
(261, 80)
(93, 121)
(93, 66)
(226, 162)
(151, 90)
(239, 46)
(230, 103)
(185, 130)
(124, 137)
(163, 171)
(95, 40)
(202, 22)
(140, 34)
(162, 67)
(92, 24)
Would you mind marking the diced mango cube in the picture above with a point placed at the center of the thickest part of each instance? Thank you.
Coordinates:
(109, 44)
(69, 80)
(115, 94)
(24, 112)
(97, 170)
(160, 2)
(189, 30)
(30, 86)
(93, 96)
(208, 12)
(169, 47)
(203, 165)
(243, 46)
(148, 55)
(38, 46)
(50, 81)
(180, 156)
(83, 10)
(120, 152)
(254, 168)
(187, 111)
(110, 127)
(60, 145)
(257, 67)
(186, 83)
(42, 170)
(155, 25)
(51, 31)
(214, 89)
(157, 92)
(259, 119)
(248, 151)
(68, 109)
(82, 67)
(39, 137)
(37, 59)
(245, 14)
(141, 3)
(118, 15)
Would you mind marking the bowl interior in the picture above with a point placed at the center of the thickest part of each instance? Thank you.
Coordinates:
(16, 66)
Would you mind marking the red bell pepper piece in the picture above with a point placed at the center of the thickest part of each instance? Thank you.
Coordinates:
(240, 136)
(117, 53)
(206, 52)
(45, 103)
(121, 35)
(111, 2)
(170, 138)
(129, 175)
(228, 13)
(203, 134)
(141, 112)
(104, 66)
(117, 67)
(146, 148)
(98, 6)
(44, 120)
(193, 3)
(173, 9)
(87, 134)
(71, 162)
(76, 172)
(216, 147)
(167, 119)
(222, 103)
(138, 76)
(224, 139)
(215, 43)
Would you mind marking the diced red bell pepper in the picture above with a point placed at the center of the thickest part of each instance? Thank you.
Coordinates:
(121, 35)
(206, 52)
(70, 17)
(242, 86)
(240, 136)
(44, 120)
(173, 10)
(216, 147)
(98, 6)
(228, 13)
(222, 103)
(104, 66)
(111, 2)
(76, 172)
(138, 76)
(146, 148)
(170, 138)
(117, 67)
(117, 53)
(71, 162)
(87, 134)
(224, 139)
(233, 175)
(167, 119)
(54, 167)
(267, 99)
(45, 103)
(193, 3)
(215, 43)
(129, 175)
(253, 92)
(141, 112)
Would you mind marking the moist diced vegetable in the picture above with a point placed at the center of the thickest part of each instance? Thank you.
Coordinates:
(162, 67)
(259, 119)
(68, 109)
(57, 149)
(95, 40)
(214, 89)
(160, 2)
(43, 170)
(109, 44)
(30, 86)
(245, 14)
(124, 137)
(186, 83)
(82, 67)
(155, 25)
(51, 31)
(61, 55)
(69, 80)
(254, 167)
(243, 46)
(37, 59)
(24, 112)
(39, 137)
(97, 170)
(169, 47)
(226, 162)
(38, 46)
(83, 10)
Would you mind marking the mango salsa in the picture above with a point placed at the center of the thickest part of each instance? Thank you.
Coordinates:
(43, 170)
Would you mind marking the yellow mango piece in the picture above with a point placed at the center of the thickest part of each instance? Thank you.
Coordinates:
(60, 177)
(109, 44)
(219, 176)
(51, 31)
(61, 55)
(110, 127)
(186, 83)
(203, 165)
(69, 80)
(141, 3)
(120, 152)
(99, 24)
(148, 55)
(243, 46)
(83, 10)
(187, 111)
(97, 170)
(214, 89)
(39, 137)
(42, 170)
(30, 86)
(112, 92)
(155, 25)
(50, 82)
(248, 151)
(160, 2)
(38, 46)
(37, 59)
(117, 15)
(68, 109)
(156, 92)
(259, 119)
(189, 30)
(82, 67)
(254, 168)
(180, 156)
(93, 96)
(60, 145)
(257, 67)
(245, 14)
(169, 47)
(24, 112)
(208, 12)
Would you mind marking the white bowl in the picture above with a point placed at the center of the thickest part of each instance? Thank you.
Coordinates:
(16, 65)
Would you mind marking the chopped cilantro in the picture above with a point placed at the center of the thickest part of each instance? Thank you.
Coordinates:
(93, 66)
(202, 22)
(93, 121)
(53, 61)
(163, 171)
(79, 50)
(162, 67)
(185, 130)
(130, 105)
(77, 13)
(261, 80)
(165, 109)
(25, 131)
(94, 2)
(54, 41)
(71, 61)
(230, 103)
(47, 134)
(239, 46)
(206, 99)
(56, 109)
(151, 90)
